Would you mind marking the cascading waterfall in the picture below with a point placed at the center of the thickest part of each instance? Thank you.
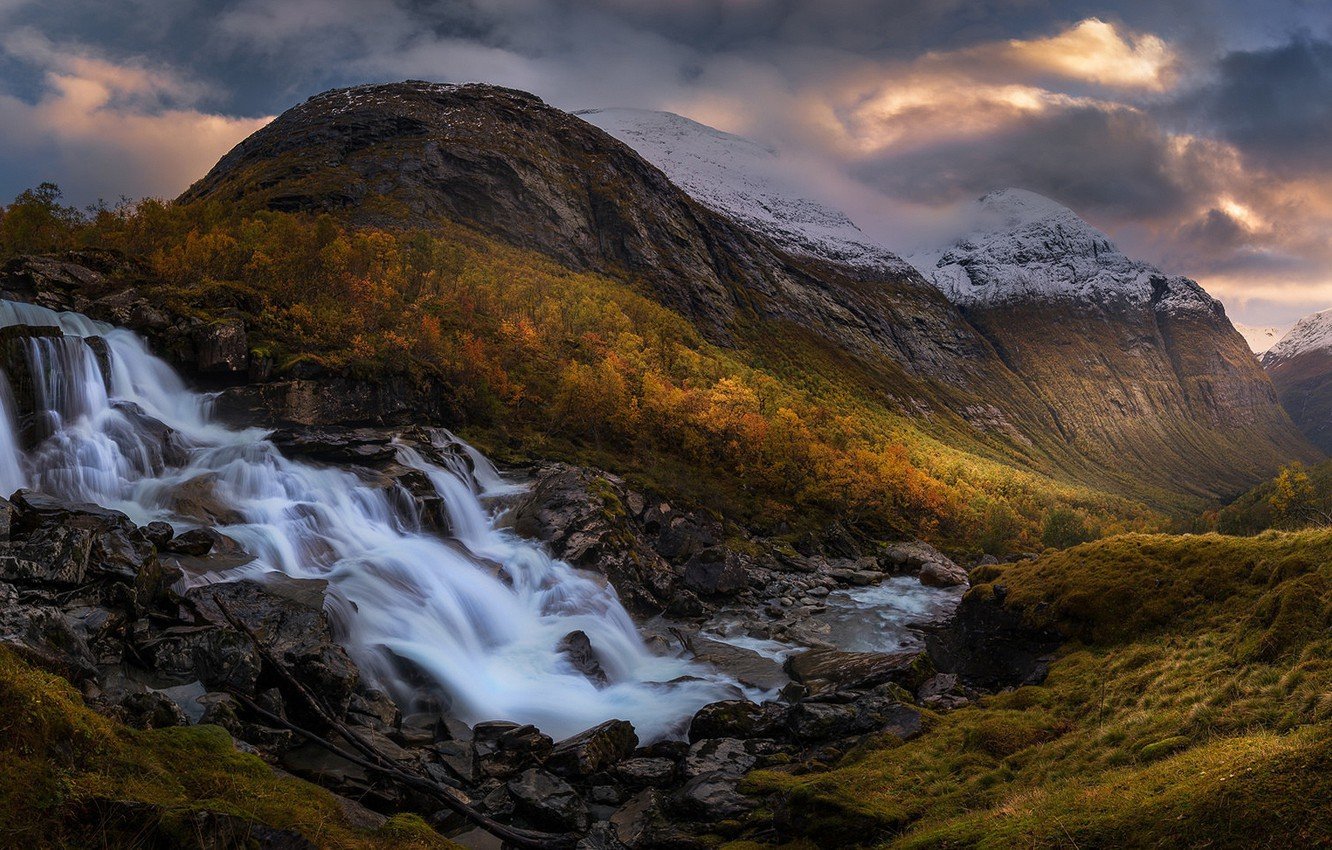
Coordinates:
(477, 619)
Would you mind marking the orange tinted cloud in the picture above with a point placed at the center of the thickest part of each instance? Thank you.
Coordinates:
(118, 128)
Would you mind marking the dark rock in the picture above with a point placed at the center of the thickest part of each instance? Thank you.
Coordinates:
(594, 749)
(196, 542)
(737, 719)
(713, 770)
(287, 615)
(549, 801)
(988, 645)
(816, 721)
(459, 757)
(221, 348)
(152, 710)
(503, 749)
(331, 444)
(886, 715)
(716, 572)
(577, 648)
(159, 533)
(827, 670)
(645, 772)
(582, 517)
(745, 665)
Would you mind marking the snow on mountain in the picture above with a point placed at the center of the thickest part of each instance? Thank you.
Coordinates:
(1021, 246)
(746, 182)
(1312, 333)
(1260, 339)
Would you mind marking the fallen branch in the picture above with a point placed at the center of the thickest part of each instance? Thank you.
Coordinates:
(375, 761)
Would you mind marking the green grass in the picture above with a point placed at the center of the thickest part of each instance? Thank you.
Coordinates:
(59, 762)
(1192, 707)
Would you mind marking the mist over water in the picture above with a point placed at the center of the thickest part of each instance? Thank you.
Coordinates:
(473, 621)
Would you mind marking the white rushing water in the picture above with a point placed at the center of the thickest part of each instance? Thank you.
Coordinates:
(479, 616)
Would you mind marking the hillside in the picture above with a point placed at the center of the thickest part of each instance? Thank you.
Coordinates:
(1300, 366)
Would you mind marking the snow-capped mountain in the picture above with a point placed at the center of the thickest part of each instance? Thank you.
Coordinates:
(1300, 366)
(745, 181)
(1020, 246)
(1312, 333)
(1260, 338)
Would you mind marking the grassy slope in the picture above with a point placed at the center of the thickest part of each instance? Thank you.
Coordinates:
(59, 759)
(1192, 707)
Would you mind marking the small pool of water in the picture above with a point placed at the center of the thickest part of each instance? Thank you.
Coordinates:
(886, 617)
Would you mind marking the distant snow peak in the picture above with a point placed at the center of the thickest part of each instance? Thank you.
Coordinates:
(1020, 246)
(745, 181)
(1312, 333)
(1260, 338)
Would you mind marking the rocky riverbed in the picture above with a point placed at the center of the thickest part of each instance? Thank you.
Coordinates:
(831, 644)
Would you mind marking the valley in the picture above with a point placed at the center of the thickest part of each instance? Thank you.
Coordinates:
(446, 469)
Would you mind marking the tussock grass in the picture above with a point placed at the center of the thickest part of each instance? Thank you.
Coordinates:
(1192, 707)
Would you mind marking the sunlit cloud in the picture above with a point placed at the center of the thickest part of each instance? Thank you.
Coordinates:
(114, 128)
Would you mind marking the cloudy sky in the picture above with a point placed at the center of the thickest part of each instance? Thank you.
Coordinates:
(1197, 132)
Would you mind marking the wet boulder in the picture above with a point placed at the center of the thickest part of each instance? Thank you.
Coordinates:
(577, 649)
(332, 444)
(713, 770)
(548, 801)
(830, 670)
(221, 348)
(588, 518)
(594, 749)
(287, 616)
(738, 718)
(716, 572)
(645, 772)
(199, 499)
(503, 749)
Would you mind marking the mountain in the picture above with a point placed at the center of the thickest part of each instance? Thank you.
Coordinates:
(1137, 366)
(1300, 366)
(1134, 381)
(1260, 338)
(745, 181)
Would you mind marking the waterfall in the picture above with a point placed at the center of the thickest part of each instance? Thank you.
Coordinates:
(473, 620)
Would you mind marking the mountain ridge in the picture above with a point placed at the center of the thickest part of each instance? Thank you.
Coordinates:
(506, 163)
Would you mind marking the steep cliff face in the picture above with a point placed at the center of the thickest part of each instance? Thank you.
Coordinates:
(1300, 366)
(1141, 370)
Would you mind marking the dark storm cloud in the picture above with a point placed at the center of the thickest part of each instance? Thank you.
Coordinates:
(1113, 160)
(1276, 104)
(1192, 130)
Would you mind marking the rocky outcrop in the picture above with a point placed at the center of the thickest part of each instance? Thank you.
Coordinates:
(988, 646)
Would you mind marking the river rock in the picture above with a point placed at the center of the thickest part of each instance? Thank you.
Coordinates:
(713, 770)
(221, 347)
(988, 645)
(594, 749)
(645, 772)
(942, 574)
(737, 718)
(548, 800)
(287, 616)
(333, 444)
(197, 498)
(584, 516)
(503, 748)
(828, 670)
(577, 648)
(745, 665)
(716, 572)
